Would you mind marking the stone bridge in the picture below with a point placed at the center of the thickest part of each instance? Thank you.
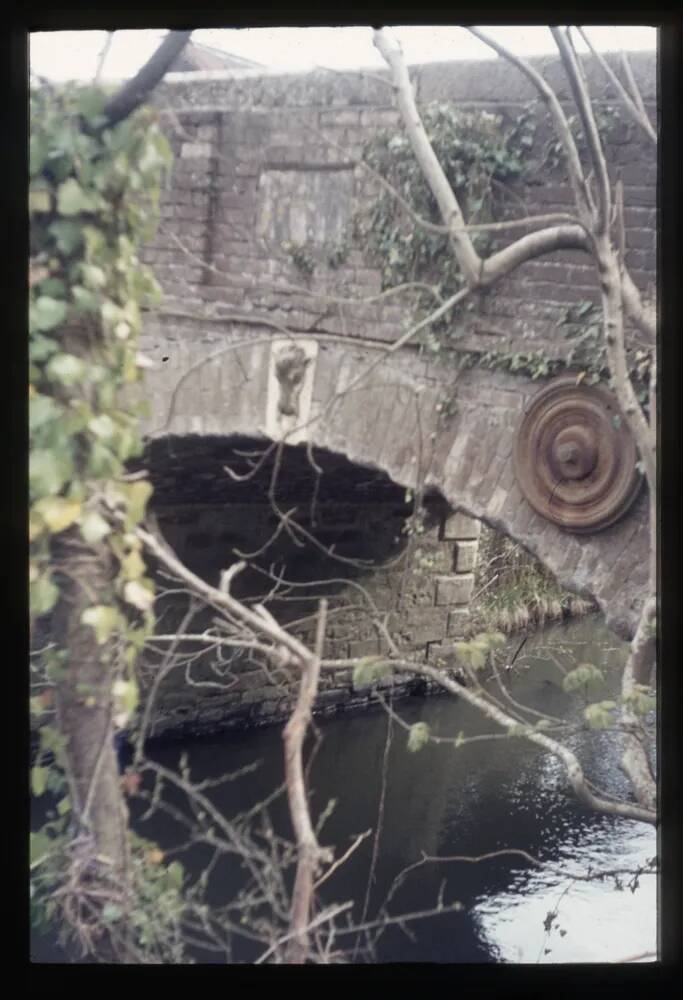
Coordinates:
(251, 348)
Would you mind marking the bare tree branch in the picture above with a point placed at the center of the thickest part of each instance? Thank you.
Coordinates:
(135, 91)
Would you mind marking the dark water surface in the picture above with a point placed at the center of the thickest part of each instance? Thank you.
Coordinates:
(482, 797)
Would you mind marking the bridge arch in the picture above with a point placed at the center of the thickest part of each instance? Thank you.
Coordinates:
(424, 424)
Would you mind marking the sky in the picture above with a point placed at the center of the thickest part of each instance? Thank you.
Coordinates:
(65, 55)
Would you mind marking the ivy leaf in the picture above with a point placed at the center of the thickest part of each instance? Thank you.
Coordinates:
(126, 696)
(418, 736)
(137, 495)
(132, 565)
(68, 235)
(65, 368)
(58, 512)
(94, 527)
(47, 471)
(72, 199)
(103, 620)
(42, 347)
(41, 410)
(102, 426)
(138, 595)
(47, 313)
(84, 299)
(39, 200)
(38, 780)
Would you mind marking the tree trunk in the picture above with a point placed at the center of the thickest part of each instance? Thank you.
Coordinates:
(84, 704)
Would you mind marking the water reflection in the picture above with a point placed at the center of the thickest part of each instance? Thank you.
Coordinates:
(483, 797)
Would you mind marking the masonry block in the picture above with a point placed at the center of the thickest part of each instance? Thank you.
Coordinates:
(461, 526)
(455, 589)
(364, 647)
(457, 621)
(466, 556)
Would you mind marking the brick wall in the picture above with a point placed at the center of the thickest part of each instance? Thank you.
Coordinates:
(420, 586)
(253, 169)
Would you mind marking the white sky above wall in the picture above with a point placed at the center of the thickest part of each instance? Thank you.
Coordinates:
(73, 55)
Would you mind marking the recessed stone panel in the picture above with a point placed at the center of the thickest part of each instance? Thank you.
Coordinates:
(304, 205)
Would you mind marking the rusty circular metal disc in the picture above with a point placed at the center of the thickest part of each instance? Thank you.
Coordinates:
(575, 457)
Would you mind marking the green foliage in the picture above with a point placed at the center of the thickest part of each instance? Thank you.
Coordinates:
(515, 588)
(640, 700)
(93, 198)
(370, 669)
(474, 654)
(598, 715)
(418, 736)
(308, 255)
(480, 156)
(155, 920)
(586, 679)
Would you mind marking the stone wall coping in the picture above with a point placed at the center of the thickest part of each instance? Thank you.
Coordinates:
(486, 80)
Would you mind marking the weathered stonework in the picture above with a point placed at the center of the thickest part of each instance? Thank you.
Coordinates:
(254, 173)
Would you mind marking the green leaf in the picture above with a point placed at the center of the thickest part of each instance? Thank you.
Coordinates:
(93, 276)
(64, 806)
(102, 426)
(126, 696)
(42, 347)
(418, 736)
(111, 913)
(39, 846)
(370, 669)
(43, 595)
(68, 235)
(137, 594)
(47, 313)
(66, 368)
(137, 495)
(39, 200)
(103, 620)
(58, 512)
(132, 565)
(517, 729)
(38, 780)
(585, 676)
(94, 527)
(101, 461)
(72, 199)
(84, 299)
(640, 701)
(176, 873)
(462, 652)
(41, 410)
(598, 714)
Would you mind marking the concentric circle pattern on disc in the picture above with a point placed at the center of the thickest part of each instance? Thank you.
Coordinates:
(575, 458)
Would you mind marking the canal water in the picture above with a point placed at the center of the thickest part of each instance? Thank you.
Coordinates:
(485, 796)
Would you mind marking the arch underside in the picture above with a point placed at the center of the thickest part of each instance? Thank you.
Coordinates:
(426, 425)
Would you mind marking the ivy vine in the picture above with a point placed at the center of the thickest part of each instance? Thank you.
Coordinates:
(93, 200)
(479, 157)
